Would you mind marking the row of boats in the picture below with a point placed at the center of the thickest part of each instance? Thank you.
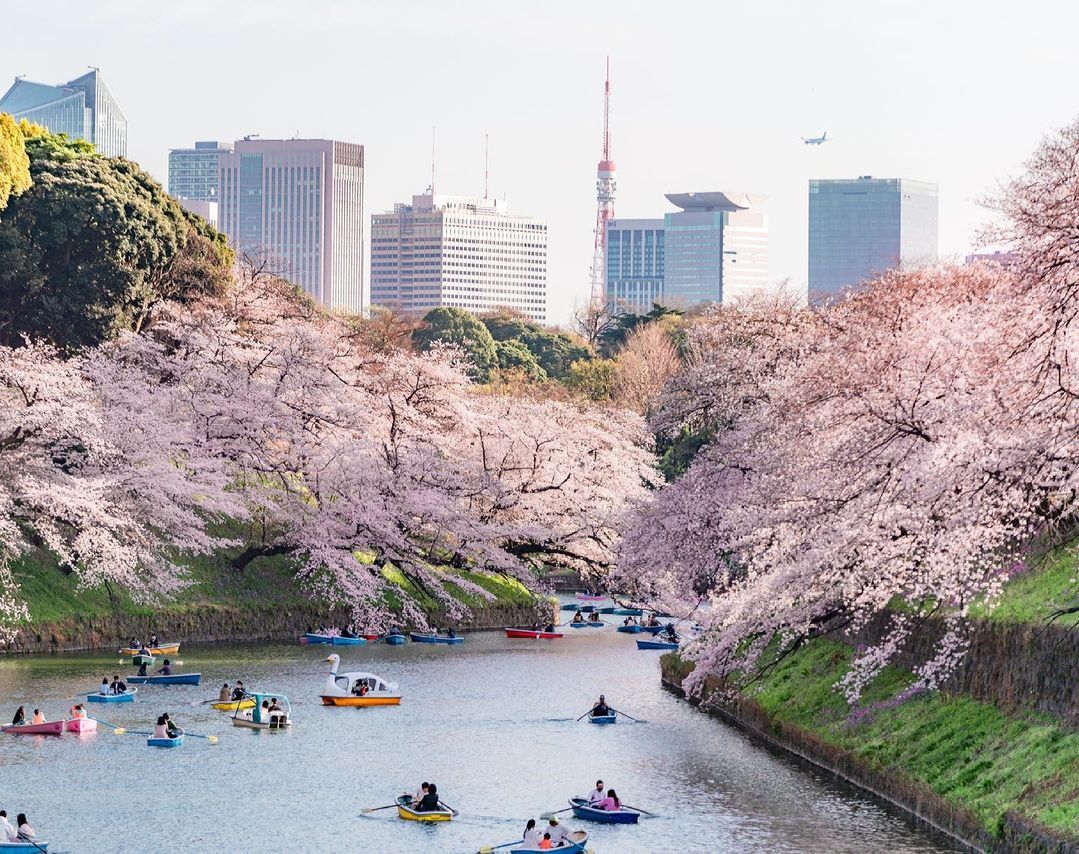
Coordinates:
(392, 638)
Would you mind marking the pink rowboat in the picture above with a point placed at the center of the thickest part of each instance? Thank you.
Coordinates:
(588, 597)
(80, 725)
(533, 634)
(51, 728)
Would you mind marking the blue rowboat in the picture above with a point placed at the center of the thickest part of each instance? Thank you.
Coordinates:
(578, 624)
(575, 844)
(127, 697)
(165, 742)
(312, 637)
(31, 847)
(628, 612)
(587, 609)
(653, 630)
(608, 610)
(395, 639)
(416, 638)
(340, 641)
(630, 630)
(162, 679)
(655, 644)
(583, 811)
(595, 624)
(603, 719)
(570, 607)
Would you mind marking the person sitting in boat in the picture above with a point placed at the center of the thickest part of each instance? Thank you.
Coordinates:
(153, 641)
(38, 717)
(134, 643)
(26, 832)
(652, 621)
(429, 802)
(77, 711)
(629, 621)
(348, 633)
(601, 709)
(118, 685)
(578, 617)
(361, 688)
(531, 837)
(170, 726)
(672, 635)
(7, 832)
(165, 669)
(161, 730)
(142, 669)
(609, 803)
(548, 628)
(224, 695)
(104, 685)
(557, 832)
(596, 795)
(276, 712)
(546, 844)
(143, 650)
(238, 691)
(450, 633)
(20, 717)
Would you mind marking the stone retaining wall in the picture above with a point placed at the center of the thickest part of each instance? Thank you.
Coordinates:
(217, 623)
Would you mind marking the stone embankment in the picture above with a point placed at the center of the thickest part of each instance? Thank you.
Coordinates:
(218, 623)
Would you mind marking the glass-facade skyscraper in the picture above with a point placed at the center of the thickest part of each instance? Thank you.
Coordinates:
(82, 108)
(459, 252)
(299, 203)
(635, 264)
(716, 248)
(193, 171)
(860, 227)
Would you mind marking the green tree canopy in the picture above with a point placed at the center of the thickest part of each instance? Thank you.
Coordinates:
(554, 351)
(94, 245)
(14, 162)
(457, 326)
(594, 379)
(515, 356)
(612, 339)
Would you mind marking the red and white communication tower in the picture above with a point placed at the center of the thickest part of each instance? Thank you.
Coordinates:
(605, 189)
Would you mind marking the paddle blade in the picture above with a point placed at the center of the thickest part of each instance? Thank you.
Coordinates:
(212, 739)
(119, 731)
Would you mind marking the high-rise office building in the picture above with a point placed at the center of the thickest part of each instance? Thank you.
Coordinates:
(860, 227)
(299, 202)
(715, 248)
(460, 252)
(635, 264)
(193, 171)
(82, 108)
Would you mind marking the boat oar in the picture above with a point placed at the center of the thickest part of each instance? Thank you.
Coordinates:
(30, 841)
(210, 738)
(116, 730)
(448, 807)
(642, 812)
(585, 715)
(487, 849)
(623, 714)
(556, 812)
(376, 809)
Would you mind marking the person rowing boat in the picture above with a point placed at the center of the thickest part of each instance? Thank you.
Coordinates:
(596, 795)
(429, 802)
(601, 709)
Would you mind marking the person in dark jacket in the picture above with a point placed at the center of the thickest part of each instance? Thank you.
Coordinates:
(429, 802)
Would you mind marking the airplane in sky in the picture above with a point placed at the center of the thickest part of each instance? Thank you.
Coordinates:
(817, 140)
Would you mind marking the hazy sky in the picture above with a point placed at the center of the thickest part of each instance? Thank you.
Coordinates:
(709, 95)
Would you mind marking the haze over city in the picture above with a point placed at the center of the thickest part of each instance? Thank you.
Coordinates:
(705, 96)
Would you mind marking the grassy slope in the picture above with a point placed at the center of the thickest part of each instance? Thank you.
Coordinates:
(1034, 596)
(966, 751)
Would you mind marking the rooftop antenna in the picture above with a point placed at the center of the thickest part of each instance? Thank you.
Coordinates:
(432, 160)
(486, 162)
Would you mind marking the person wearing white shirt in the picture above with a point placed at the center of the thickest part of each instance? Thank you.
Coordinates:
(597, 794)
(557, 831)
(26, 832)
(532, 837)
(7, 832)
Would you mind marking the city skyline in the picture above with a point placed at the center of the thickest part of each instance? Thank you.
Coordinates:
(930, 108)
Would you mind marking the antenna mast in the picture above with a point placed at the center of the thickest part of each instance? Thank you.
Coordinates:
(605, 193)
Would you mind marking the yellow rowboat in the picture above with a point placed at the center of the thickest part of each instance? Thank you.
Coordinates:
(233, 705)
(164, 649)
(405, 811)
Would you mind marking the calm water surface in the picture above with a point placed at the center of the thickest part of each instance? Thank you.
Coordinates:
(489, 721)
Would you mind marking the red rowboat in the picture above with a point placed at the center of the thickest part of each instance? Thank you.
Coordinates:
(51, 728)
(533, 634)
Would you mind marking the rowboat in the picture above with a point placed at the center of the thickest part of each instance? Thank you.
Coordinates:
(570, 607)
(628, 612)
(653, 630)
(631, 630)
(418, 638)
(583, 811)
(166, 742)
(127, 697)
(163, 649)
(609, 609)
(50, 728)
(80, 725)
(396, 639)
(312, 637)
(591, 597)
(655, 644)
(28, 847)
(136, 660)
(340, 640)
(162, 679)
(534, 634)
(603, 719)
(233, 705)
(357, 689)
(578, 624)
(259, 718)
(405, 811)
(595, 624)
(575, 844)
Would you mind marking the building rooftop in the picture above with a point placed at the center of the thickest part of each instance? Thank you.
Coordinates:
(716, 200)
